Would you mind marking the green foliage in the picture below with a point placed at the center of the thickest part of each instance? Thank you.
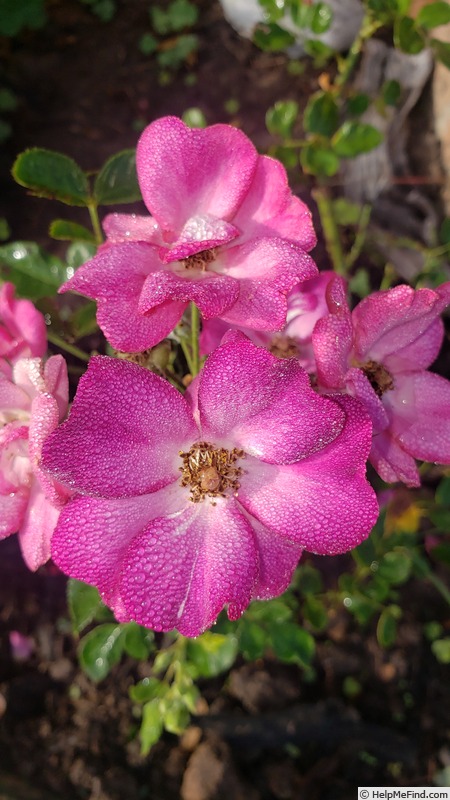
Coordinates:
(103, 9)
(407, 37)
(211, 654)
(65, 230)
(170, 40)
(15, 15)
(33, 272)
(354, 138)
(434, 14)
(321, 114)
(84, 603)
(281, 118)
(272, 37)
(441, 649)
(195, 118)
(117, 180)
(53, 175)
(391, 92)
(319, 160)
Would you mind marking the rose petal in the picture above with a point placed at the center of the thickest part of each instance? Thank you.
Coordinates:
(332, 338)
(212, 293)
(121, 228)
(269, 208)
(179, 573)
(36, 530)
(277, 560)
(391, 461)
(12, 509)
(123, 434)
(263, 405)
(324, 502)
(267, 269)
(184, 172)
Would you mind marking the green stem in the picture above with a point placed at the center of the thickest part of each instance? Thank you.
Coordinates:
(330, 229)
(360, 237)
(440, 586)
(69, 348)
(347, 66)
(185, 346)
(195, 329)
(95, 222)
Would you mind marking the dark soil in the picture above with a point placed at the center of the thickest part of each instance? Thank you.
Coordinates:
(265, 734)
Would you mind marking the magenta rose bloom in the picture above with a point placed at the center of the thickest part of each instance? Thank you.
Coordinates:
(185, 505)
(22, 327)
(306, 304)
(32, 404)
(379, 354)
(225, 232)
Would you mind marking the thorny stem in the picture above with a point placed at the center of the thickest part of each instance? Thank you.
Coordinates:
(330, 229)
(69, 348)
(95, 222)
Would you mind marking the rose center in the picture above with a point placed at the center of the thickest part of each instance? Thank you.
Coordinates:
(200, 260)
(380, 379)
(210, 471)
(284, 347)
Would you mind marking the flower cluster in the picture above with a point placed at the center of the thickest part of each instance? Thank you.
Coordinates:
(175, 505)
(33, 400)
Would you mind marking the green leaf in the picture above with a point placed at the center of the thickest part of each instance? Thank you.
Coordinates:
(321, 18)
(354, 138)
(211, 653)
(176, 717)
(441, 518)
(444, 236)
(138, 641)
(441, 649)
(359, 283)
(309, 580)
(183, 47)
(272, 38)
(433, 15)
(5, 231)
(395, 567)
(317, 160)
(65, 230)
(287, 155)
(407, 37)
(50, 174)
(315, 613)
(387, 626)
(358, 104)
(273, 9)
(33, 272)
(194, 118)
(151, 726)
(84, 320)
(442, 494)
(84, 601)
(364, 554)
(441, 51)
(79, 252)
(293, 644)
(148, 689)
(8, 100)
(148, 44)
(160, 20)
(117, 180)
(100, 649)
(182, 14)
(252, 640)
(281, 117)
(321, 114)
(391, 92)
(18, 14)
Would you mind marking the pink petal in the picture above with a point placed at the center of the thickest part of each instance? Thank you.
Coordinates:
(115, 278)
(121, 228)
(123, 434)
(199, 233)
(44, 420)
(263, 404)
(36, 530)
(93, 534)
(57, 383)
(277, 560)
(12, 397)
(269, 208)
(212, 293)
(22, 326)
(185, 172)
(419, 406)
(266, 270)
(12, 510)
(391, 461)
(333, 338)
(179, 573)
(359, 386)
(324, 502)
(399, 327)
